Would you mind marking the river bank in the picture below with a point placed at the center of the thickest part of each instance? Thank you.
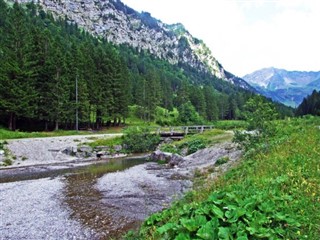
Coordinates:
(97, 206)
(37, 151)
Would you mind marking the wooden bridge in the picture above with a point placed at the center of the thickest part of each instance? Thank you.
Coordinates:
(181, 131)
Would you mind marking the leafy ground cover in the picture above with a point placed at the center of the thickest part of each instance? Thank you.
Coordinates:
(273, 194)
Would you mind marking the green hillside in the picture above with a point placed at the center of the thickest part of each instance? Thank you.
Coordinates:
(274, 193)
(42, 58)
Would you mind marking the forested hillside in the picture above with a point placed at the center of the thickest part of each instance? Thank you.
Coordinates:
(310, 105)
(42, 59)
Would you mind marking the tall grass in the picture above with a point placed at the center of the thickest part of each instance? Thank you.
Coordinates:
(273, 194)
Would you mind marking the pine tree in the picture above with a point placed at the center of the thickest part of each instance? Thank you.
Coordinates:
(18, 78)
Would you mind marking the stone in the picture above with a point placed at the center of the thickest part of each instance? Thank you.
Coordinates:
(102, 148)
(170, 158)
(70, 151)
(117, 148)
(175, 160)
(85, 148)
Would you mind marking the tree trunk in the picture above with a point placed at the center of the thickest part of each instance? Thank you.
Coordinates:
(57, 126)
(98, 119)
(46, 126)
(12, 122)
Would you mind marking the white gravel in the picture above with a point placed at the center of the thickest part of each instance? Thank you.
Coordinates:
(32, 210)
(137, 192)
(34, 151)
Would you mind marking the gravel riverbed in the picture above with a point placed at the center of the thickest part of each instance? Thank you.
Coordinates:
(33, 210)
(94, 207)
(35, 151)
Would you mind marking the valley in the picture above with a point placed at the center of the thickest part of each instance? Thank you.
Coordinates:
(87, 86)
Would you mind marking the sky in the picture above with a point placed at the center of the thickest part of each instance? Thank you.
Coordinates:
(248, 35)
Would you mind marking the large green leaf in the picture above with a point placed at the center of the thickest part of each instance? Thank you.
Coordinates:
(183, 236)
(224, 233)
(217, 211)
(210, 230)
(194, 223)
(166, 227)
(234, 214)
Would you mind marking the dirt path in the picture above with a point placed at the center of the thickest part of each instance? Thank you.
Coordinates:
(35, 151)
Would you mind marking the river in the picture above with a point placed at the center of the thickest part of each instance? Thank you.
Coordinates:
(99, 201)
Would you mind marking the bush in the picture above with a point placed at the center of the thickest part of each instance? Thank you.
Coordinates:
(138, 140)
(195, 145)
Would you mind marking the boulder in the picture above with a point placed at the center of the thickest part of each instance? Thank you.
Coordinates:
(175, 160)
(70, 151)
(170, 158)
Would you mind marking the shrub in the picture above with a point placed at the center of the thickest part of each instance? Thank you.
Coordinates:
(222, 160)
(195, 145)
(139, 139)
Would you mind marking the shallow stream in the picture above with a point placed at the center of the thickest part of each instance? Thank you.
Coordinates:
(76, 203)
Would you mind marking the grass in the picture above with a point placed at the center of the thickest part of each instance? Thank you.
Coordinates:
(131, 121)
(273, 194)
(198, 141)
(230, 124)
(106, 142)
(7, 134)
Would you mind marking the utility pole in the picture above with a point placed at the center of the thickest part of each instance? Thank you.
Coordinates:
(77, 120)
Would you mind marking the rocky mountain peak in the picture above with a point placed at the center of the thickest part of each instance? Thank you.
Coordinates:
(121, 24)
(288, 87)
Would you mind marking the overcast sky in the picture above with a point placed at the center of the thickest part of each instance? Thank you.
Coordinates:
(247, 35)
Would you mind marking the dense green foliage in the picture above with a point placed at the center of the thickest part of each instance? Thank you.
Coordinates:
(140, 140)
(42, 58)
(272, 194)
(259, 115)
(310, 105)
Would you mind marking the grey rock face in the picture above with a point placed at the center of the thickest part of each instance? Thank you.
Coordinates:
(120, 24)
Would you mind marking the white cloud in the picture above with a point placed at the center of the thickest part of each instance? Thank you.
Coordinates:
(246, 35)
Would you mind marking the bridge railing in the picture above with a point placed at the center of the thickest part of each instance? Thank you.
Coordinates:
(185, 130)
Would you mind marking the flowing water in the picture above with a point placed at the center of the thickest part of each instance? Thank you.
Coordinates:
(85, 201)
(76, 192)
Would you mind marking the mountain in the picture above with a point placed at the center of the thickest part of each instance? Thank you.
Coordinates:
(287, 87)
(120, 24)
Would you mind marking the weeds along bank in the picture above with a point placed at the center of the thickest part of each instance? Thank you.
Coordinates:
(273, 194)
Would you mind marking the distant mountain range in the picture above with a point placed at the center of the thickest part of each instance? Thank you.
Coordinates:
(287, 87)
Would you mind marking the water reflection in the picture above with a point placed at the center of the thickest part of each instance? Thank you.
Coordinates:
(84, 199)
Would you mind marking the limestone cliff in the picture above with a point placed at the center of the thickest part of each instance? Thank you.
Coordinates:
(121, 24)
